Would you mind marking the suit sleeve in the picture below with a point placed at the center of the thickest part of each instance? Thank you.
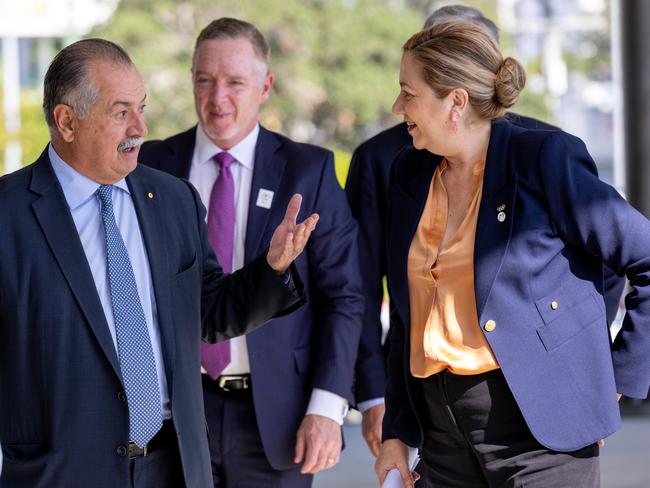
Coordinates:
(590, 214)
(237, 303)
(396, 389)
(366, 196)
(337, 302)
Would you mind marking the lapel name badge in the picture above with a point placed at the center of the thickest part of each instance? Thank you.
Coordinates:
(264, 198)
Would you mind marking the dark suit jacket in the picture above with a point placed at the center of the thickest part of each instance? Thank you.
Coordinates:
(316, 346)
(561, 224)
(63, 416)
(367, 191)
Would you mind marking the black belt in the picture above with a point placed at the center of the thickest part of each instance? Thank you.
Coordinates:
(162, 438)
(230, 382)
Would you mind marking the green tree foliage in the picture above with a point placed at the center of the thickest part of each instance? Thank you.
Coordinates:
(335, 62)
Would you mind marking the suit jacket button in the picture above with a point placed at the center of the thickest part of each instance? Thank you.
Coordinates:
(490, 325)
(121, 396)
(554, 305)
(121, 450)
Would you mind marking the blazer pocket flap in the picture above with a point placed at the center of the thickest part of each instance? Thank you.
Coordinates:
(564, 320)
(186, 269)
(301, 357)
(23, 452)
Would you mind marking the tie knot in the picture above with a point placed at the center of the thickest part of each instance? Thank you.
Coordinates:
(224, 159)
(105, 192)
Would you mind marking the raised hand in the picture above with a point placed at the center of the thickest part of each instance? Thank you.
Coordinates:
(290, 238)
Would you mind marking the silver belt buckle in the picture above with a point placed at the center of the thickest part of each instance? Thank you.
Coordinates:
(137, 451)
(223, 379)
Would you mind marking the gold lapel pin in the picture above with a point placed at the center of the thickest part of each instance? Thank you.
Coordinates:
(150, 195)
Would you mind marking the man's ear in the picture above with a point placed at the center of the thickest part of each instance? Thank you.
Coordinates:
(64, 119)
(266, 87)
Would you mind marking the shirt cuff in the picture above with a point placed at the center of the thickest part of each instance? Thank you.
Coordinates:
(368, 404)
(287, 279)
(327, 404)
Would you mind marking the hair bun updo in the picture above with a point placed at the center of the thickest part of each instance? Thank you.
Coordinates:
(509, 81)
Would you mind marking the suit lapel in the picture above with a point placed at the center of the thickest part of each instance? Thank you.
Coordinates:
(493, 235)
(267, 174)
(53, 215)
(182, 151)
(408, 199)
(147, 202)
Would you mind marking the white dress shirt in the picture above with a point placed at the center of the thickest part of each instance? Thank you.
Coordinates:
(203, 173)
(80, 196)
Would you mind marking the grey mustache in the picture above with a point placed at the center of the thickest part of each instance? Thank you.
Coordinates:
(130, 142)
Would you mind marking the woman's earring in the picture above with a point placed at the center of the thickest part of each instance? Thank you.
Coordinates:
(455, 117)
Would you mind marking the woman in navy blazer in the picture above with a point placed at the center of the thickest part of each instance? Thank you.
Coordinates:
(545, 225)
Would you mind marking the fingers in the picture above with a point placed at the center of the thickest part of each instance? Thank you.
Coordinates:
(322, 442)
(601, 442)
(371, 427)
(312, 459)
(300, 448)
(372, 435)
(394, 456)
(301, 235)
(374, 445)
(293, 208)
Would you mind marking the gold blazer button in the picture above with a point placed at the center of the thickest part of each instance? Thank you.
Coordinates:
(490, 325)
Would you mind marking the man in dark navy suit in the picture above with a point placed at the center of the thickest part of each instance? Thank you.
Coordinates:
(107, 284)
(367, 191)
(275, 406)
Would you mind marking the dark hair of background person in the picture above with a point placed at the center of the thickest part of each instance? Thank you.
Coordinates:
(462, 55)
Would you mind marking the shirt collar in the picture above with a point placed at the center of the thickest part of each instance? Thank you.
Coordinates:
(77, 188)
(243, 151)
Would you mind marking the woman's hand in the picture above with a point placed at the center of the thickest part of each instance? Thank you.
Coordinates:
(394, 455)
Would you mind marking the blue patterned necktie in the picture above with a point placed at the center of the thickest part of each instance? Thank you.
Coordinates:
(134, 349)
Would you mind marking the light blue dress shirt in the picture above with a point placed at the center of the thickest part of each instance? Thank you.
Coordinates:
(84, 206)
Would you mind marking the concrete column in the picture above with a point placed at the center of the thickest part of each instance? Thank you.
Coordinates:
(635, 46)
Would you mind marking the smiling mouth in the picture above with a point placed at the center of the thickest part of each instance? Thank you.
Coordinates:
(410, 126)
(219, 116)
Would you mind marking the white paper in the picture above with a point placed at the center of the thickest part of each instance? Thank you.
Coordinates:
(393, 478)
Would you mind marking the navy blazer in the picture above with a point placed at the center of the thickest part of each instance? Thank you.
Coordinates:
(561, 223)
(367, 191)
(316, 346)
(63, 416)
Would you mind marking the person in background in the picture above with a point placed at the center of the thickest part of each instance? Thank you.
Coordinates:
(274, 401)
(501, 367)
(367, 191)
(107, 284)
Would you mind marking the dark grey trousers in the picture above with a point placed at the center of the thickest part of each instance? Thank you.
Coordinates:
(476, 436)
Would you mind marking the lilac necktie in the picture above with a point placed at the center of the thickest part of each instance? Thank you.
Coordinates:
(221, 230)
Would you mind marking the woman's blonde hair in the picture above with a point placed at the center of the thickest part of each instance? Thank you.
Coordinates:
(463, 55)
